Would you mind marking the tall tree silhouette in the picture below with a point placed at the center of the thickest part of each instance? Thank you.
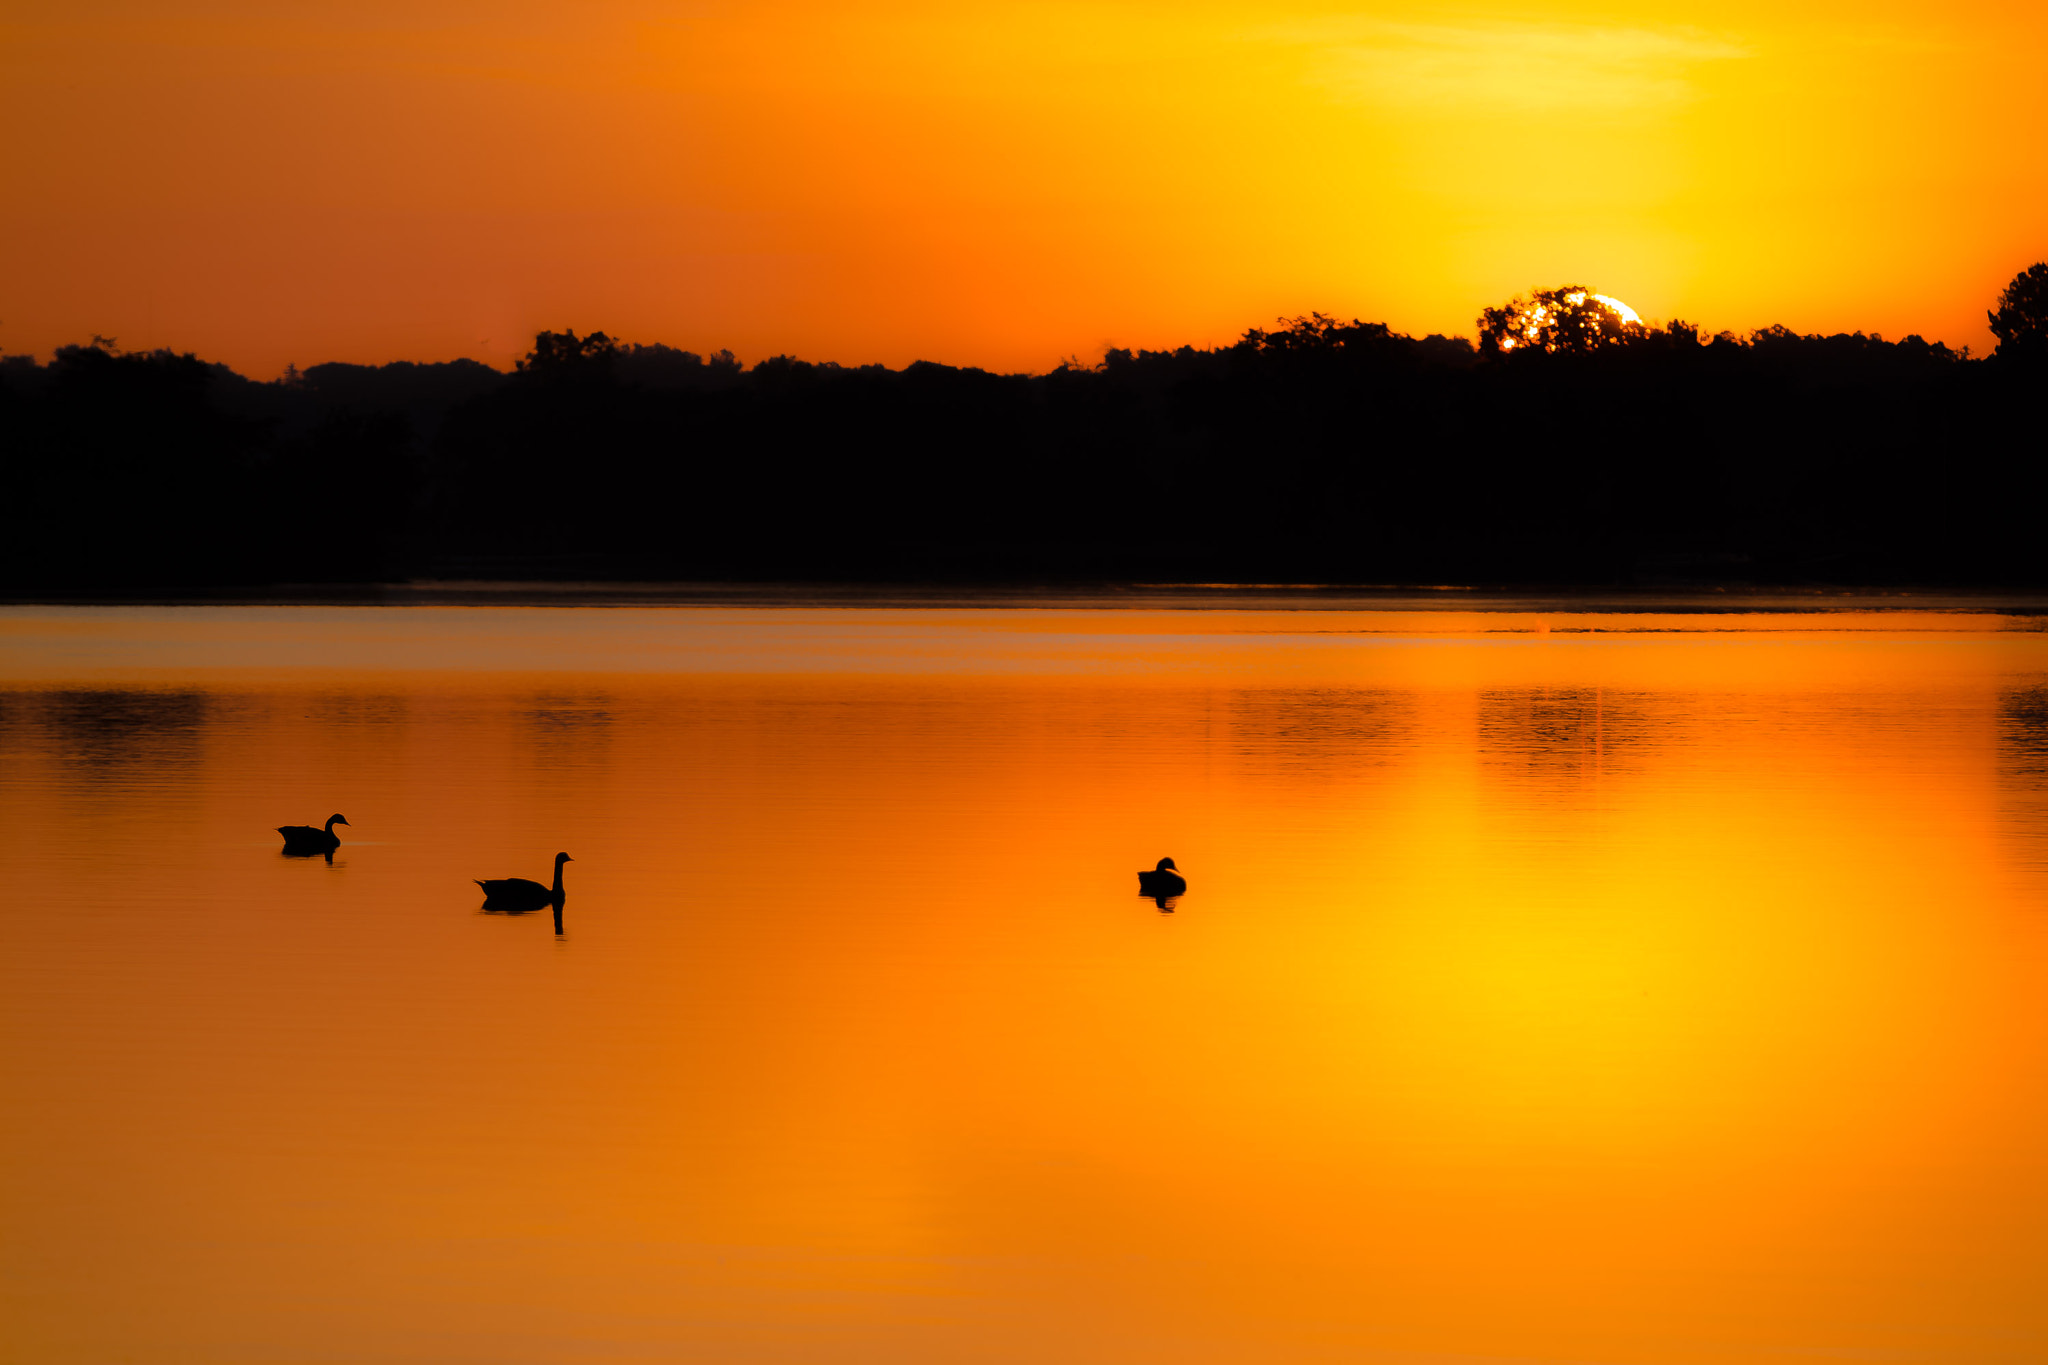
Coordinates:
(2020, 322)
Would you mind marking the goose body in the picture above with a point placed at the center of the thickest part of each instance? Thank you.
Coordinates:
(1162, 880)
(306, 840)
(516, 894)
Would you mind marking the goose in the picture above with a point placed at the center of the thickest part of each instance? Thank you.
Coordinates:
(518, 895)
(304, 840)
(1162, 881)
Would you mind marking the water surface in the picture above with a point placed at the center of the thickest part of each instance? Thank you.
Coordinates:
(1551, 987)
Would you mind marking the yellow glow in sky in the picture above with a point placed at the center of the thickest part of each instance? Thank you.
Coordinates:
(998, 184)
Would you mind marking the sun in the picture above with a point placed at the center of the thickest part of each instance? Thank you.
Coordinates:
(1626, 313)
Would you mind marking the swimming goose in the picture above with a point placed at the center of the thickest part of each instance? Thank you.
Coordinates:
(304, 840)
(518, 895)
(1162, 880)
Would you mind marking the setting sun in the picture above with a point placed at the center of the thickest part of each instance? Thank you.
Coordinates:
(1617, 307)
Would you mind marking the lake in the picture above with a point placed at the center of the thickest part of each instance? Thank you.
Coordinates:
(1619, 987)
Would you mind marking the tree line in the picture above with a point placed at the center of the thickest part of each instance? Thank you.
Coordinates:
(1591, 450)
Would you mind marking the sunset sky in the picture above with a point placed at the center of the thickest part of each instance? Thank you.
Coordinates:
(999, 183)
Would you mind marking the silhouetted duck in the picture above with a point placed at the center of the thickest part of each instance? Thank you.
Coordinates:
(518, 895)
(304, 841)
(1162, 881)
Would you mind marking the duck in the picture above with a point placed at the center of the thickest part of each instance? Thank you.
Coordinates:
(304, 841)
(1162, 880)
(518, 895)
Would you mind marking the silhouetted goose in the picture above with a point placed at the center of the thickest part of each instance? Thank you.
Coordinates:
(305, 841)
(517, 894)
(1162, 881)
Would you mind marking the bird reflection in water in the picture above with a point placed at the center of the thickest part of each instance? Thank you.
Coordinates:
(518, 896)
(1163, 885)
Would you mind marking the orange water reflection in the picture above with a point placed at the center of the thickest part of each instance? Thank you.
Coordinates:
(1647, 996)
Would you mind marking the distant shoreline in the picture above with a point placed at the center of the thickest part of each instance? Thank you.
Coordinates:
(1684, 600)
(1666, 466)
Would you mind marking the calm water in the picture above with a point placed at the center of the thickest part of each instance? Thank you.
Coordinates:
(1550, 988)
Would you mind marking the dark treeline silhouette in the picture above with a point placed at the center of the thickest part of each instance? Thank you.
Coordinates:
(1568, 447)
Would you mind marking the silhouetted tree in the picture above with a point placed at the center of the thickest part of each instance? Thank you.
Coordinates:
(664, 367)
(2020, 322)
(120, 467)
(564, 356)
(1316, 332)
(1571, 318)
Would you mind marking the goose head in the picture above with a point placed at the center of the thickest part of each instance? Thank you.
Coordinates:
(334, 820)
(1165, 865)
(561, 858)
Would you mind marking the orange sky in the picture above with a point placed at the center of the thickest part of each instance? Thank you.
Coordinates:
(997, 183)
